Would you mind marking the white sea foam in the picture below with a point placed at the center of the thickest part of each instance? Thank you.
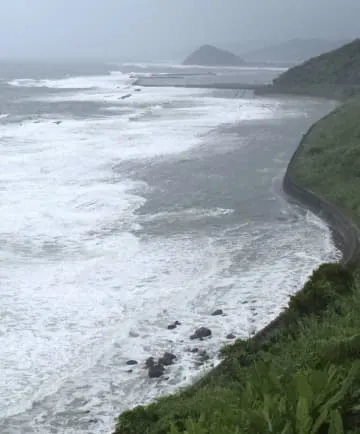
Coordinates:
(187, 214)
(78, 281)
(85, 82)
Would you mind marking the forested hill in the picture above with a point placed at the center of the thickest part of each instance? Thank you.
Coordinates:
(332, 74)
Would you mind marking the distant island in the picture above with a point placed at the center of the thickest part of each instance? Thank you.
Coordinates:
(335, 74)
(208, 55)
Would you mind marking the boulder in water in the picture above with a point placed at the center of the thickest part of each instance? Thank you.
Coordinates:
(217, 312)
(150, 361)
(201, 333)
(156, 371)
(204, 356)
(173, 325)
(167, 359)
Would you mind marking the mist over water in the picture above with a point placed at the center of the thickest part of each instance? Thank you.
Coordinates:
(120, 216)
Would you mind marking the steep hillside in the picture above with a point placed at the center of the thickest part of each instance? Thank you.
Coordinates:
(291, 52)
(335, 74)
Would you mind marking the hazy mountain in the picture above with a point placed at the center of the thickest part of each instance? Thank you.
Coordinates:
(208, 55)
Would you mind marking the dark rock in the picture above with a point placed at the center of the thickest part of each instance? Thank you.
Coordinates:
(93, 421)
(217, 312)
(204, 356)
(173, 325)
(167, 359)
(194, 350)
(57, 122)
(201, 333)
(129, 371)
(137, 90)
(156, 371)
(150, 362)
(230, 336)
(131, 362)
(128, 95)
(133, 334)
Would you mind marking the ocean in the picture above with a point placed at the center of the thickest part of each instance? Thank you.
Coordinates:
(125, 209)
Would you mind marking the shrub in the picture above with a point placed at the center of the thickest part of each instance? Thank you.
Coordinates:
(340, 350)
(326, 283)
(306, 402)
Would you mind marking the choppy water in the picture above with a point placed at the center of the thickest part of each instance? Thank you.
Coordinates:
(119, 216)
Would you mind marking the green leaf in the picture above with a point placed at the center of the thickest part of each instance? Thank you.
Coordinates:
(287, 428)
(173, 429)
(346, 385)
(355, 409)
(318, 381)
(303, 387)
(256, 421)
(266, 410)
(302, 416)
(320, 421)
(336, 423)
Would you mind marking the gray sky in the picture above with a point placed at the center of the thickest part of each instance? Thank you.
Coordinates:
(164, 29)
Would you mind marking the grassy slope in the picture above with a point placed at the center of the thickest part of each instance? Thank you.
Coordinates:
(304, 377)
(335, 74)
(330, 161)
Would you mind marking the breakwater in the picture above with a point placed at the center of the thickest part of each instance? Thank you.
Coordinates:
(344, 231)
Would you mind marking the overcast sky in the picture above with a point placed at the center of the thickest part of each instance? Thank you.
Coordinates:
(164, 29)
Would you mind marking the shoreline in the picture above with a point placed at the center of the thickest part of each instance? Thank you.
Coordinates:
(344, 231)
(345, 236)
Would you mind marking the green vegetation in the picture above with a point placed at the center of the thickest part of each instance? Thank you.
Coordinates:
(302, 378)
(329, 163)
(302, 375)
(335, 74)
